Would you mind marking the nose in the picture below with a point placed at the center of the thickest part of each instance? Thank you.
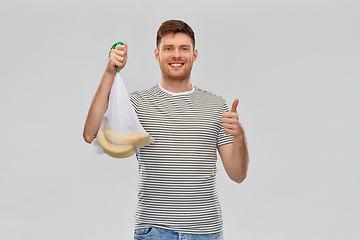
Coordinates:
(176, 53)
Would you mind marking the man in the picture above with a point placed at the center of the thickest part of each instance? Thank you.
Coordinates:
(177, 183)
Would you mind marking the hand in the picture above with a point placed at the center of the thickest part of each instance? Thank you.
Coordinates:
(117, 58)
(230, 121)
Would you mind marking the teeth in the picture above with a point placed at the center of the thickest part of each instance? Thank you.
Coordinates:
(176, 64)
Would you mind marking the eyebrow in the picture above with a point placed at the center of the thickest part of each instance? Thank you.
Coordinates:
(170, 45)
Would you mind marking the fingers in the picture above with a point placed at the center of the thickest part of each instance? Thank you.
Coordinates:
(231, 131)
(231, 128)
(120, 50)
(230, 120)
(230, 115)
(121, 47)
(234, 105)
(117, 58)
(231, 123)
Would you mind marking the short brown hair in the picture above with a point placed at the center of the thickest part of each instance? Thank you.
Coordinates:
(174, 26)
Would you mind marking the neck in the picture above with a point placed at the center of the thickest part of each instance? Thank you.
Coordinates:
(176, 86)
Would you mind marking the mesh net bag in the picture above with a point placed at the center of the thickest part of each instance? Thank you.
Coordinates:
(120, 132)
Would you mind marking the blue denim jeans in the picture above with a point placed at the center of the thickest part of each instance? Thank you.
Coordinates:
(152, 233)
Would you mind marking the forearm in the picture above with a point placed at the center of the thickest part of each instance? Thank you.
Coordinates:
(98, 107)
(237, 164)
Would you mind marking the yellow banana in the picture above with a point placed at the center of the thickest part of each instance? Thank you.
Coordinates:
(144, 142)
(113, 150)
(138, 139)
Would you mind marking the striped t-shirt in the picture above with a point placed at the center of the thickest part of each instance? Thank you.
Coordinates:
(177, 172)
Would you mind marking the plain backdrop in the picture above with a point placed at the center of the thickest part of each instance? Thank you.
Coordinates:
(294, 65)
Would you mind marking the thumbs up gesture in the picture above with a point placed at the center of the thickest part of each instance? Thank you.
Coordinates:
(230, 121)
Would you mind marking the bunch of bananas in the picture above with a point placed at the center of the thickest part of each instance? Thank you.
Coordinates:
(121, 145)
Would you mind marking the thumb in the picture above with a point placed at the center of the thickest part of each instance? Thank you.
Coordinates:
(124, 46)
(234, 105)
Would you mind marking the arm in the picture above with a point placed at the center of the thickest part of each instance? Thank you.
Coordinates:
(99, 104)
(235, 156)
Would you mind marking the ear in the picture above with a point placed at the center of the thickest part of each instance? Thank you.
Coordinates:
(157, 55)
(195, 55)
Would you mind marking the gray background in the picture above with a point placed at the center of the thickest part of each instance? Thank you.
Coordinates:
(294, 65)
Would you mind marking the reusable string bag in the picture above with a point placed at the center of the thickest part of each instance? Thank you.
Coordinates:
(120, 132)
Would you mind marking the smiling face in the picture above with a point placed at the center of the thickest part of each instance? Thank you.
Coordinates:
(176, 56)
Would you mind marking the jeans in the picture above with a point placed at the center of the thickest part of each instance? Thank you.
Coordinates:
(152, 233)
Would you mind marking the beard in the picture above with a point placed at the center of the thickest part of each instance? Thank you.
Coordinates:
(174, 75)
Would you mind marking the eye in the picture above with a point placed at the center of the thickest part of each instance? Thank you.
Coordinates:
(168, 49)
(185, 49)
